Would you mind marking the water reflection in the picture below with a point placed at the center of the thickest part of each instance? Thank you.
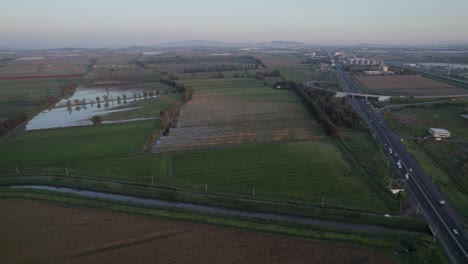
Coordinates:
(78, 109)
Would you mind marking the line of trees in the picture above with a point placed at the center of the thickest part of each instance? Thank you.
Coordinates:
(12, 121)
(167, 117)
(180, 87)
(329, 111)
(258, 61)
(216, 68)
(315, 109)
(263, 75)
(341, 114)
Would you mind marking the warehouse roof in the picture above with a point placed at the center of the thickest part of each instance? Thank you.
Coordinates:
(440, 130)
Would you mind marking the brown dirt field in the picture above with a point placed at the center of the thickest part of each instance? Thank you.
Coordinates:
(279, 60)
(406, 119)
(408, 85)
(38, 77)
(40, 232)
(212, 119)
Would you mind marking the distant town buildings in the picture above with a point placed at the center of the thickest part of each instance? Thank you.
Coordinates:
(339, 54)
(325, 67)
(383, 70)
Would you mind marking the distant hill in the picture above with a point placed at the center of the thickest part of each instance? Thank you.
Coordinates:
(283, 43)
(212, 43)
(197, 43)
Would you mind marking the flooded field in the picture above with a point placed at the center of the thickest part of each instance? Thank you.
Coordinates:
(87, 102)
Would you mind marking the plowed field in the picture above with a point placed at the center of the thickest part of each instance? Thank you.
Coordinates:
(38, 232)
(408, 85)
(235, 112)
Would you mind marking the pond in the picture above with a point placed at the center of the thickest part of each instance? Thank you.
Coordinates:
(87, 102)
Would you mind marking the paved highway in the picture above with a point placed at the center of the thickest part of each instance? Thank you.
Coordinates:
(444, 220)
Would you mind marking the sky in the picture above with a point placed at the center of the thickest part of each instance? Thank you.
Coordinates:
(120, 23)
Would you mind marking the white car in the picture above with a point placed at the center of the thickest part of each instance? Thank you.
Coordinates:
(411, 169)
(407, 176)
(455, 231)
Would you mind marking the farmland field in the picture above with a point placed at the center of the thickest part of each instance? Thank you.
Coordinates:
(56, 146)
(408, 85)
(418, 120)
(302, 74)
(272, 60)
(25, 95)
(305, 171)
(40, 232)
(239, 111)
(45, 66)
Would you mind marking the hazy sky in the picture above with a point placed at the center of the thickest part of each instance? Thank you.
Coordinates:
(113, 23)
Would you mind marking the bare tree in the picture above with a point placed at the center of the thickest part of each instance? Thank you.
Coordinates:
(97, 120)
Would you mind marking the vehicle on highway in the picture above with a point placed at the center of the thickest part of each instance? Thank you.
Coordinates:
(407, 176)
(390, 150)
(455, 231)
(442, 202)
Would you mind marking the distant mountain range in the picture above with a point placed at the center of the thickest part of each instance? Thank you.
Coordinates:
(221, 44)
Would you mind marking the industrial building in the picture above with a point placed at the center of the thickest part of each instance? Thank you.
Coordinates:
(361, 61)
(439, 132)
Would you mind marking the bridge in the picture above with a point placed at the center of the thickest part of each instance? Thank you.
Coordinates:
(384, 98)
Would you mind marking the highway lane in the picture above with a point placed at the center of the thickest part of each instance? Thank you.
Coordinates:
(442, 218)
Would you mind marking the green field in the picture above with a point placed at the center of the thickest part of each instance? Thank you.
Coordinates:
(301, 74)
(60, 146)
(311, 171)
(25, 95)
(420, 119)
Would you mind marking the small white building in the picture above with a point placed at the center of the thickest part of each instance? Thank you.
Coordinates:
(439, 132)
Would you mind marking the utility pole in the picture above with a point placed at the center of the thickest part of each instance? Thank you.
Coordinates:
(66, 171)
(152, 181)
(417, 209)
(17, 171)
(435, 234)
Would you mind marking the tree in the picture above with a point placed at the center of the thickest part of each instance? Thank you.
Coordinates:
(165, 120)
(187, 95)
(97, 120)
